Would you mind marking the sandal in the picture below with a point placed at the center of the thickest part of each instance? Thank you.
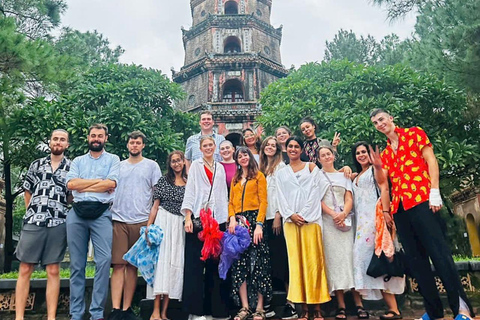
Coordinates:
(341, 314)
(362, 313)
(242, 314)
(303, 315)
(317, 315)
(393, 315)
(259, 315)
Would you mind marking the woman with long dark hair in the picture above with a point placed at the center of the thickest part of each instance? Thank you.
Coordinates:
(299, 204)
(252, 141)
(312, 144)
(368, 186)
(168, 197)
(271, 161)
(204, 293)
(251, 280)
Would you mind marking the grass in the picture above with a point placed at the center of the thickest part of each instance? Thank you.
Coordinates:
(90, 270)
(42, 274)
(458, 258)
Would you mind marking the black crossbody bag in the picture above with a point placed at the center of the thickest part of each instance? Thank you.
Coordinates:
(90, 210)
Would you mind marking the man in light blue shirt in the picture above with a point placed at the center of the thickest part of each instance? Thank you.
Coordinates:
(92, 178)
(192, 149)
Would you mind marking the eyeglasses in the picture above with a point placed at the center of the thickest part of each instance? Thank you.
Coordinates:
(248, 136)
(176, 161)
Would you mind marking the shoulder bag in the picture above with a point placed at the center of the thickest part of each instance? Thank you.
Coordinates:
(348, 219)
(197, 223)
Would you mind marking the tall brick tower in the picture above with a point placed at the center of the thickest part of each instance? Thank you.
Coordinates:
(232, 52)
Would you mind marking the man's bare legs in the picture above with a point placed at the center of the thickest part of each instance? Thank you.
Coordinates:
(123, 283)
(53, 289)
(22, 289)
(130, 285)
(116, 284)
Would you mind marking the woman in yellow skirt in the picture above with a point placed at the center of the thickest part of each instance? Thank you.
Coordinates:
(300, 208)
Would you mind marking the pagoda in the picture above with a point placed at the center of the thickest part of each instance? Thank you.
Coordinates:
(232, 52)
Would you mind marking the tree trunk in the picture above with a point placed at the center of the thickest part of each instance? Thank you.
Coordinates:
(9, 198)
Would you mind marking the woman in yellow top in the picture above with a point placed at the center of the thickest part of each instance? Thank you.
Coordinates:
(252, 283)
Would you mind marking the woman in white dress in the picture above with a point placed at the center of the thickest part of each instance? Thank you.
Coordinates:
(299, 205)
(165, 212)
(368, 186)
(338, 244)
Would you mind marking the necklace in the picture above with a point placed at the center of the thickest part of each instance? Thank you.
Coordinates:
(210, 165)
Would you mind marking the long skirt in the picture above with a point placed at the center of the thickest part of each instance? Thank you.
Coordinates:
(253, 267)
(278, 255)
(306, 262)
(170, 265)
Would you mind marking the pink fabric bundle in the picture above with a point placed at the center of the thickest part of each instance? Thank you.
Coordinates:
(210, 235)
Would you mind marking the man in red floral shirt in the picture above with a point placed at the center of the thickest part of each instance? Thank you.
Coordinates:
(412, 167)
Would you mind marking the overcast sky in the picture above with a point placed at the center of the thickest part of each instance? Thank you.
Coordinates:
(149, 30)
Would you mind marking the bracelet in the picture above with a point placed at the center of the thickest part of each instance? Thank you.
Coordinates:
(387, 211)
(260, 224)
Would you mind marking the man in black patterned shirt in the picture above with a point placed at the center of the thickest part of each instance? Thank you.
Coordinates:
(43, 238)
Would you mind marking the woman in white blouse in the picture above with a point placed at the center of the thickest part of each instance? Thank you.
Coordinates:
(271, 160)
(204, 293)
(299, 205)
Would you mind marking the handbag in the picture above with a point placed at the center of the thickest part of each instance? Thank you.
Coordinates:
(241, 220)
(380, 266)
(196, 222)
(348, 219)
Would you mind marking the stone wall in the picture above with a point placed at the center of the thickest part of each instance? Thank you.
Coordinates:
(2, 224)
(466, 204)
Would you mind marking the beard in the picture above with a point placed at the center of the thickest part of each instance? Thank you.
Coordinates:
(98, 147)
(57, 151)
(135, 154)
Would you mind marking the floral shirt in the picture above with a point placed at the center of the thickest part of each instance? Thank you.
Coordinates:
(48, 204)
(407, 169)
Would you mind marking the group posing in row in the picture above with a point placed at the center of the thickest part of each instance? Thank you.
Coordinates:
(312, 228)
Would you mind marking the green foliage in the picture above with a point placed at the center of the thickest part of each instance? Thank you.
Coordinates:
(125, 98)
(366, 50)
(339, 95)
(34, 18)
(18, 213)
(447, 42)
(398, 8)
(87, 48)
(454, 229)
(27, 67)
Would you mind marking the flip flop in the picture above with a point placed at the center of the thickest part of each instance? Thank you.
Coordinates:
(394, 315)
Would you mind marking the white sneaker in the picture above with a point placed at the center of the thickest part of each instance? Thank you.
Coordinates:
(195, 317)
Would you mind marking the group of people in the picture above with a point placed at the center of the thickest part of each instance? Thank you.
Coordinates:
(311, 228)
